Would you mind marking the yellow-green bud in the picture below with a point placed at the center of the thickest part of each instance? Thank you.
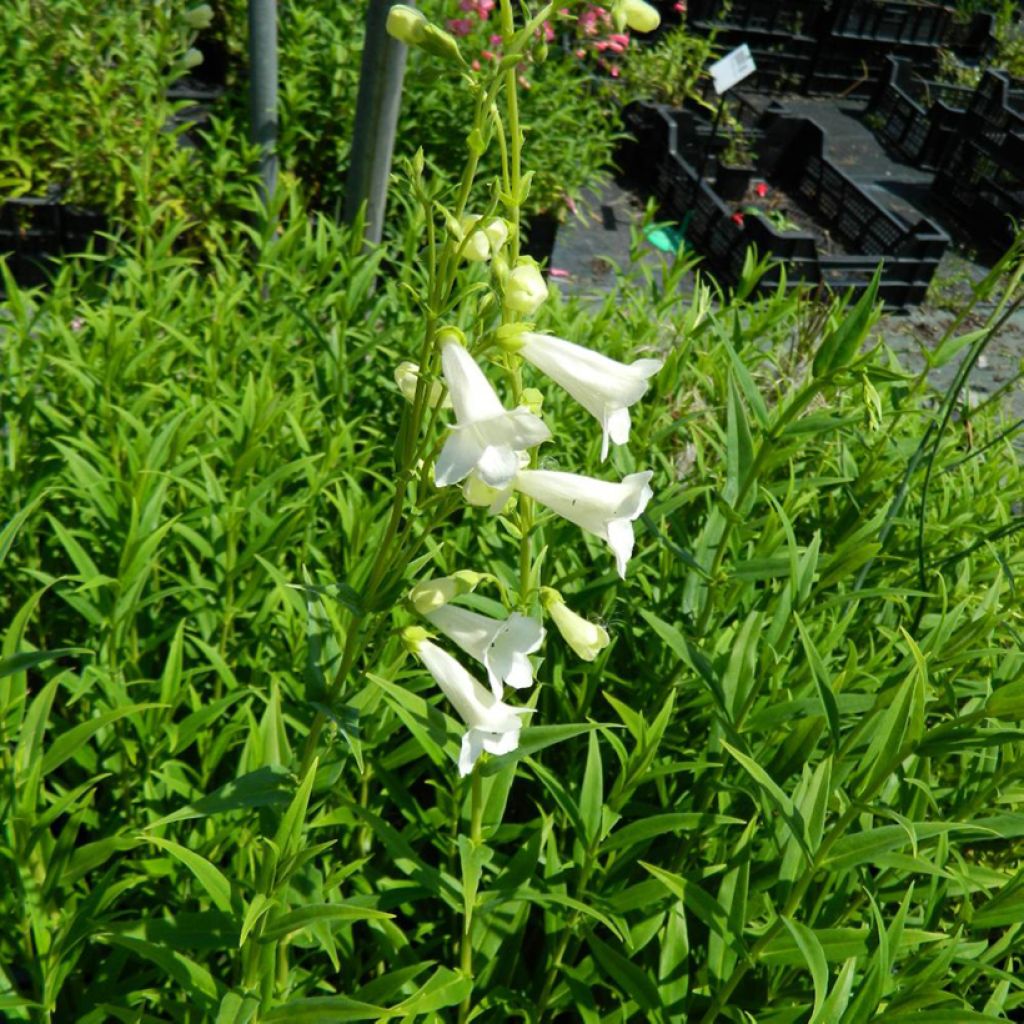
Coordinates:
(199, 17)
(193, 58)
(441, 44)
(407, 376)
(533, 400)
(586, 638)
(510, 336)
(406, 24)
(478, 493)
(526, 289)
(430, 595)
(413, 636)
(638, 15)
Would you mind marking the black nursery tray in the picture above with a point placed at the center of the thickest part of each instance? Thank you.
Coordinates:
(916, 118)
(838, 46)
(844, 234)
(33, 230)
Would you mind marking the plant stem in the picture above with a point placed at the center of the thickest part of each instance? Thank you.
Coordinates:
(476, 819)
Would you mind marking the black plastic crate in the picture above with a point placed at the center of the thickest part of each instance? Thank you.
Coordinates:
(797, 20)
(35, 230)
(890, 21)
(996, 110)
(793, 159)
(982, 185)
(916, 118)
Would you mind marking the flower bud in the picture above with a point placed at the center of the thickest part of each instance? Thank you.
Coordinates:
(477, 248)
(193, 58)
(199, 17)
(638, 15)
(510, 336)
(526, 289)
(407, 377)
(441, 44)
(483, 495)
(406, 24)
(432, 594)
(533, 400)
(586, 638)
(413, 636)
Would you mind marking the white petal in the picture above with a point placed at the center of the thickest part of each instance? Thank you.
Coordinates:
(458, 458)
(474, 633)
(470, 751)
(500, 742)
(471, 393)
(497, 465)
(620, 540)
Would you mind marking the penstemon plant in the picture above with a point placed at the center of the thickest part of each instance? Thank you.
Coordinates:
(491, 451)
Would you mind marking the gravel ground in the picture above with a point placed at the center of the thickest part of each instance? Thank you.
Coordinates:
(587, 251)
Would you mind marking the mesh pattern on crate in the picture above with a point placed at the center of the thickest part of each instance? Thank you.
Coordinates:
(995, 110)
(893, 22)
(768, 16)
(857, 219)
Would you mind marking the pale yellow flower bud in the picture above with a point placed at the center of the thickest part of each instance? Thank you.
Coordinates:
(407, 377)
(533, 400)
(193, 58)
(406, 24)
(199, 17)
(586, 638)
(526, 288)
(430, 595)
(413, 636)
(639, 16)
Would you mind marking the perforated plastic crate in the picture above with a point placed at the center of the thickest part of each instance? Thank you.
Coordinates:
(33, 230)
(793, 159)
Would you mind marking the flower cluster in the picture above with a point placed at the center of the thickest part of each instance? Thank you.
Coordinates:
(487, 451)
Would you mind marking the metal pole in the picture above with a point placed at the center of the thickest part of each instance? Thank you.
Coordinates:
(711, 140)
(263, 89)
(373, 135)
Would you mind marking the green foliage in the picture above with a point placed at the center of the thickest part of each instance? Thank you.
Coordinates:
(671, 71)
(799, 797)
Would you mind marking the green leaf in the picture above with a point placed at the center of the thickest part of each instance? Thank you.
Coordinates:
(535, 738)
(210, 877)
(838, 348)
(814, 956)
(592, 791)
(627, 975)
(658, 824)
(822, 680)
(305, 917)
(69, 743)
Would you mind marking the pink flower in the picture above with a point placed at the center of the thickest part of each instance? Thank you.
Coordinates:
(761, 188)
(581, 53)
(679, 6)
(488, 55)
(460, 26)
(737, 218)
(475, 65)
(558, 272)
(495, 40)
(549, 32)
(614, 71)
(622, 38)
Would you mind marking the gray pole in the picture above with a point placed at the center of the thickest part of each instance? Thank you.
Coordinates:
(263, 88)
(377, 106)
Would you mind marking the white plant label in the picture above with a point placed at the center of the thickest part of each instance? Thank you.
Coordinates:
(732, 68)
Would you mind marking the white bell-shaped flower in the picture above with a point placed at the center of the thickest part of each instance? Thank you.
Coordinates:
(604, 509)
(604, 387)
(500, 645)
(487, 437)
(491, 725)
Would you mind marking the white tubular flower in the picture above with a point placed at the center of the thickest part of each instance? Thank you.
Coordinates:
(500, 646)
(526, 289)
(586, 638)
(491, 725)
(407, 377)
(604, 509)
(604, 387)
(487, 437)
